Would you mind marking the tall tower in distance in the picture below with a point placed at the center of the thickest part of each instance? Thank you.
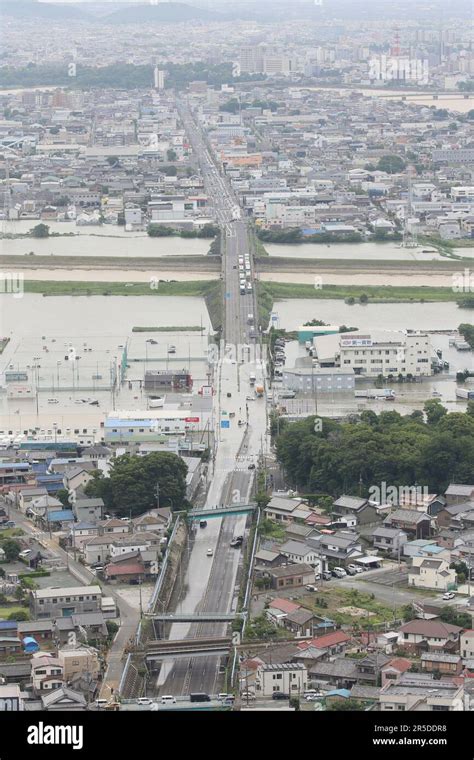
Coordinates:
(159, 78)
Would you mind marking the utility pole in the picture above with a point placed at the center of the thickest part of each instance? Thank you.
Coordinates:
(157, 494)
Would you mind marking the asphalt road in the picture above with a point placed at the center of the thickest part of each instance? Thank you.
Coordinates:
(211, 582)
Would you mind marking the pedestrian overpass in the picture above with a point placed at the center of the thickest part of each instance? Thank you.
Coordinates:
(221, 511)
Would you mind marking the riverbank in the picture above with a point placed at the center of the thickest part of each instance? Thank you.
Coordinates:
(376, 294)
(190, 263)
(90, 288)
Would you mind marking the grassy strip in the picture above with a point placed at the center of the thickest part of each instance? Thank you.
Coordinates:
(173, 328)
(375, 294)
(287, 263)
(166, 262)
(264, 304)
(214, 297)
(68, 288)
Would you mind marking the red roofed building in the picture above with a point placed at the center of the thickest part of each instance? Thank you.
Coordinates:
(284, 605)
(393, 669)
(128, 571)
(332, 643)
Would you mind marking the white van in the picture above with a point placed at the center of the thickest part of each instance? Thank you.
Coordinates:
(168, 700)
(339, 572)
(101, 702)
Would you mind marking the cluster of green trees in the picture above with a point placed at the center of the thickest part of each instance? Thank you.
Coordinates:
(429, 449)
(125, 76)
(131, 487)
(160, 230)
(294, 235)
(233, 105)
(40, 231)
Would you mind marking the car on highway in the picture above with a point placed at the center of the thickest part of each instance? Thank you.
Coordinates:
(448, 595)
(310, 587)
(144, 701)
(209, 553)
(251, 466)
(202, 523)
(237, 541)
(250, 398)
(168, 699)
(280, 695)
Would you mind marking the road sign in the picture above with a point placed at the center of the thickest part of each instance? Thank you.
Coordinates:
(225, 423)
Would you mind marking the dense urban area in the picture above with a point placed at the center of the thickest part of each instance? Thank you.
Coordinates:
(236, 356)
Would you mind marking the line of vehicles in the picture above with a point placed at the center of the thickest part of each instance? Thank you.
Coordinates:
(245, 274)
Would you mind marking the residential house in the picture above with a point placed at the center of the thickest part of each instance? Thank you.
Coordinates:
(441, 663)
(301, 622)
(97, 549)
(350, 506)
(301, 553)
(148, 522)
(285, 510)
(88, 510)
(80, 532)
(339, 548)
(135, 542)
(431, 573)
(291, 576)
(46, 673)
(332, 644)
(79, 659)
(76, 477)
(392, 670)
(10, 646)
(63, 699)
(126, 568)
(114, 525)
(27, 495)
(428, 548)
(466, 645)
(266, 558)
(390, 540)
(415, 524)
(453, 515)
(429, 635)
(278, 609)
(296, 532)
(458, 493)
(289, 678)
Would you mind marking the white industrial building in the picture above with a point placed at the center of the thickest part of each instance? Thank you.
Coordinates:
(380, 352)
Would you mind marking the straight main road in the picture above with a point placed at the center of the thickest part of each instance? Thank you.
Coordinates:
(211, 581)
